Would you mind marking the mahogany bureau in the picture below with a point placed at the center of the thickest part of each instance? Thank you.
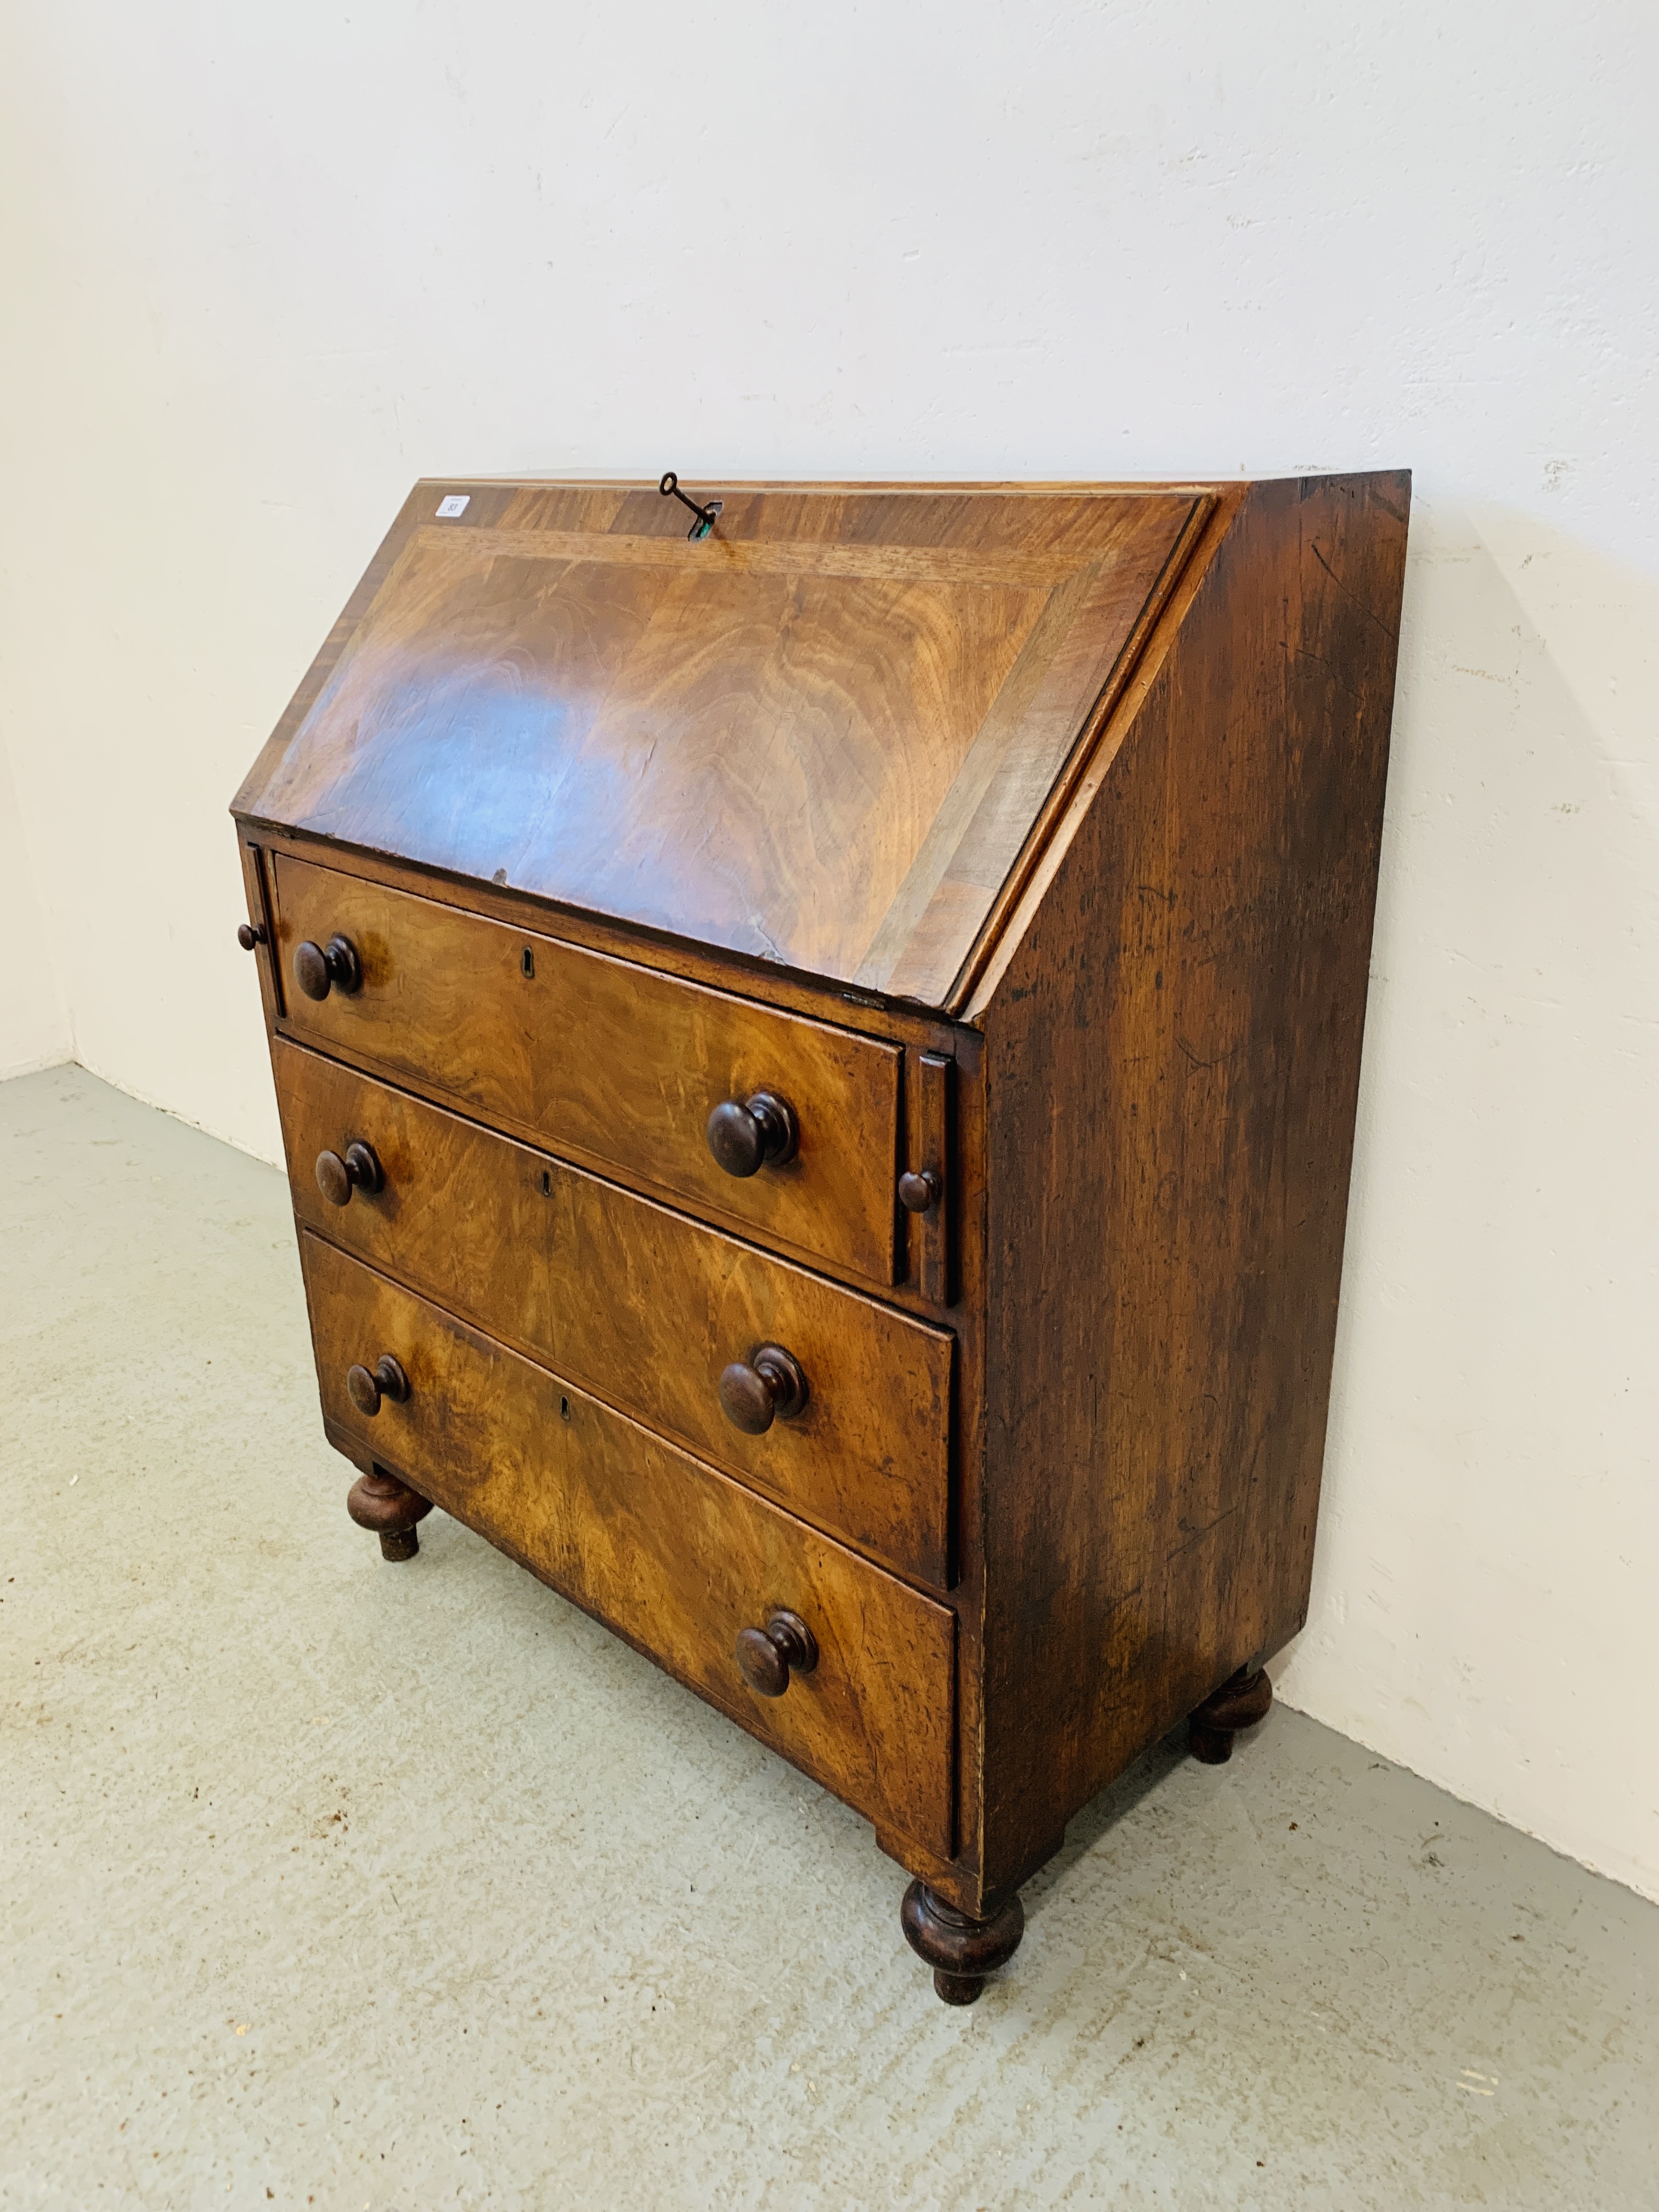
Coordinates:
(817, 1049)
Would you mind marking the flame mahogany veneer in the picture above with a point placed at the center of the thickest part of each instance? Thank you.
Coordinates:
(819, 1067)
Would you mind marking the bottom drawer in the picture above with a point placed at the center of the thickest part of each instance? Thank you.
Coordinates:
(675, 1556)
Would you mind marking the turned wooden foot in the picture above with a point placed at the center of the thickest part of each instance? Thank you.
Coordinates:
(1239, 1703)
(378, 1501)
(961, 1952)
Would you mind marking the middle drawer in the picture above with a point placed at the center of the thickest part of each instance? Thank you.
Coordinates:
(639, 1305)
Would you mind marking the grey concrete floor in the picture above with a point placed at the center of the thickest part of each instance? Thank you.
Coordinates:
(332, 1883)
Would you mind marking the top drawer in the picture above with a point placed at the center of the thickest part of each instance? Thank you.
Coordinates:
(614, 1066)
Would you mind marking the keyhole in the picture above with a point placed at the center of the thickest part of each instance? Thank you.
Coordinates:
(527, 961)
(547, 1182)
(564, 1409)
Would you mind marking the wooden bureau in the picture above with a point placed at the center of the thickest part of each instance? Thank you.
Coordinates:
(817, 1031)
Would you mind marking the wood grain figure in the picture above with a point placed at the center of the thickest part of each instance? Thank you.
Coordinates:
(675, 1556)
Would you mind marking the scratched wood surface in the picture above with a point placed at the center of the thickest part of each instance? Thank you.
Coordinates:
(822, 737)
(674, 1556)
(615, 1066)
(640, 1305)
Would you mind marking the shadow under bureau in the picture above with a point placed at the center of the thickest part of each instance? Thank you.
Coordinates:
(818, 1061)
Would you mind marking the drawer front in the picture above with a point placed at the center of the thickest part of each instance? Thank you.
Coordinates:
(674, 1556)
(640, 1305)
(613, 1065)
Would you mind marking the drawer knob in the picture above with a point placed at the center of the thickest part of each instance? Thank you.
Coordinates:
(919, 1193)
(318, 969)
(759, 1131)
(366, 1387)
(766, 1655)
(338, 1178)
(250, 933)
(768, 1384)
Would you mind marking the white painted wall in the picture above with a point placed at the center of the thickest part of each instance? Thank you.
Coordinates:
(34, 1029)
(264, 265)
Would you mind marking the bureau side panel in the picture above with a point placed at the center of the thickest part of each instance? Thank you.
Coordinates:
(1173, 1064)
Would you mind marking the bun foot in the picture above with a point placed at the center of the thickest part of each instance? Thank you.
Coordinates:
(1240, 1703)
(961, 1952)
(378, 1501)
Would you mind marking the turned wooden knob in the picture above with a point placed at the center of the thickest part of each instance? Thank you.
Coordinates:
(766, 1655)
(366, 1387)
(760, 1132)
(250, 933)
(338, 1178)
(768, 1385)
(919, 1192)
(318, 968)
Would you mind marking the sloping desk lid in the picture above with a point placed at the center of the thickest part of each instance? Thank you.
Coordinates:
(824, 735)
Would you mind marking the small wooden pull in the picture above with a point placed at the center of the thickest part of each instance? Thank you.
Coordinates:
(250, 933)
(919, 1193)
(338, 1178)
(319, 969)
(766, 1656)
(366, 1387)
(768, 1384)
(757, 1131)
(922, 1189)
